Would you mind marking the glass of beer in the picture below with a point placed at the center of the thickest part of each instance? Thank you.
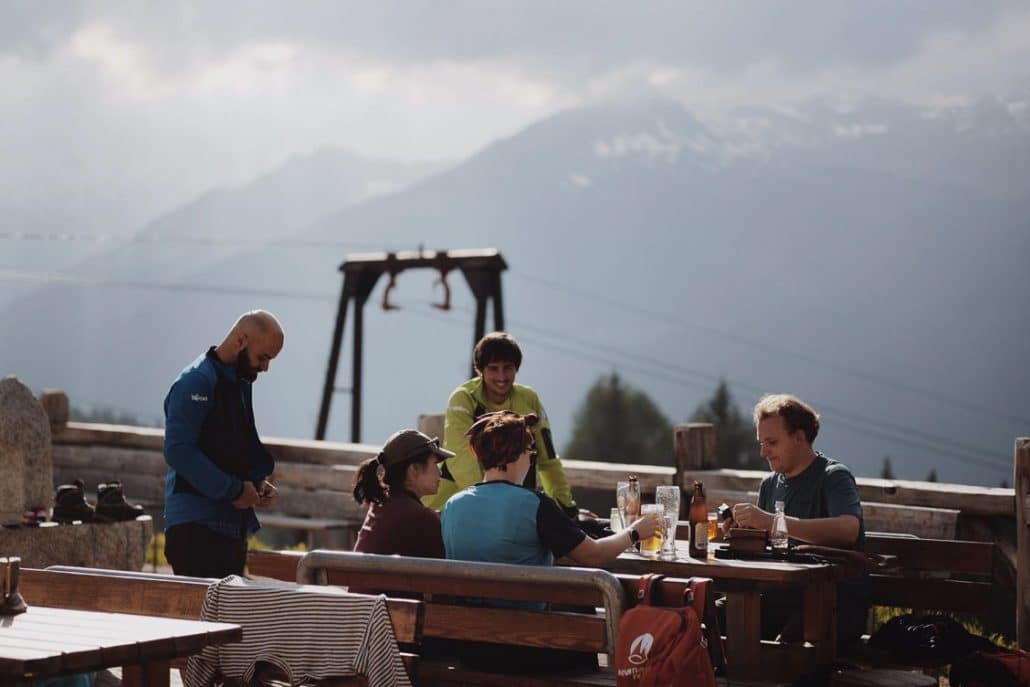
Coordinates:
(713, 526)
(652, 546)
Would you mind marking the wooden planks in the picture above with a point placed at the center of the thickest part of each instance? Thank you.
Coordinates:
(449, 586)
(571, 631)
(938, 555)
(970, 500)
(143, 594)
(1021, 482)
(277, 565)
(49, 641)
(588, 475)
(722, 570)
(931, 594)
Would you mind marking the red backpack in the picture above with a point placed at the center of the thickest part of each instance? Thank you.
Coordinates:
(667, 646)
(996, 668)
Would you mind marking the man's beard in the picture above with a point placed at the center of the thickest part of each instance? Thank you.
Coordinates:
(244, 369)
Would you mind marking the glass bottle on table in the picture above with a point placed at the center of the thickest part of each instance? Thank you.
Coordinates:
(778, 536)
(621, 489)
(632, 500)
(668, 495)
(698, 518)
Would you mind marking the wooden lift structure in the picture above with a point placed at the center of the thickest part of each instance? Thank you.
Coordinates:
(481, 268)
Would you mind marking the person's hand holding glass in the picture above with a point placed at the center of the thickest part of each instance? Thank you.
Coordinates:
(651, 546)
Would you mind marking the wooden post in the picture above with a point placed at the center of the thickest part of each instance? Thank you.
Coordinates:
(693, 448)
(431, 425)
(1021, 482)
(55, 403)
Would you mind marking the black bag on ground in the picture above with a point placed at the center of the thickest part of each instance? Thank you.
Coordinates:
(926, 638)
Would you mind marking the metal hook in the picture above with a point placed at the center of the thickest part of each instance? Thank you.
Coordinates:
(446, 304)
(392, 271)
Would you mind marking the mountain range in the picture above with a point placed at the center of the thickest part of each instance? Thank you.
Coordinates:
(870, 260)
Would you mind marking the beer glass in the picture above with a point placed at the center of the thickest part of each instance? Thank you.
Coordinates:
(651, 546)
(669, 497)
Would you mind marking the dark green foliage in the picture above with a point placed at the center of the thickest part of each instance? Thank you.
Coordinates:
(618, 424)
(735, 434)
(887, 472)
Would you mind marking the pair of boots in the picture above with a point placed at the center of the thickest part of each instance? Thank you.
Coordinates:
(70, 504)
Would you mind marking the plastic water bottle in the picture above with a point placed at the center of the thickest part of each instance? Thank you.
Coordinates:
(778, 537)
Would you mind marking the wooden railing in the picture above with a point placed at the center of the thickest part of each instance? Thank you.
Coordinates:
(315, 477)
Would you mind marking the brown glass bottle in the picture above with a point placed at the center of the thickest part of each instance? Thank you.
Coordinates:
(698, 517)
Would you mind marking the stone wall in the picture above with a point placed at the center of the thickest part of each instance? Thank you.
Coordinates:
(116, 545)
(25, 460)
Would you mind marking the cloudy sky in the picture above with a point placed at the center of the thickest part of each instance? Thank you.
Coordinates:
(159, 101)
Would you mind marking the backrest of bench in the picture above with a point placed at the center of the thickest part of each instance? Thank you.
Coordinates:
(114, 591)
(434, 579)
(666, 592)
(934, 574)
(87, 589)
(936, 555)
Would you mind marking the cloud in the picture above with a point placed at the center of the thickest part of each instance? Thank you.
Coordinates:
(161, 101)
(946, 69)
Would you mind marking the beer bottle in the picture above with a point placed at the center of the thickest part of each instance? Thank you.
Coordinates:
(698, 517)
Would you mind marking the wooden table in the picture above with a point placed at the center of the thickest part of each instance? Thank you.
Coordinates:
(744, 582)
(44, 642)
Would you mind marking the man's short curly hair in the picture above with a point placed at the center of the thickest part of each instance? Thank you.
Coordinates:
(500, 438)
(796, 414)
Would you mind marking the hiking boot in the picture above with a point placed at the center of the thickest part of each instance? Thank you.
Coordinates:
(112, 506)
(70, 503)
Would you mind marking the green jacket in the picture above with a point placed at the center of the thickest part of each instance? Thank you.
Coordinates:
(466, 403)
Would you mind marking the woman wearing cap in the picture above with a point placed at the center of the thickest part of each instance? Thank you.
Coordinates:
(392, 483)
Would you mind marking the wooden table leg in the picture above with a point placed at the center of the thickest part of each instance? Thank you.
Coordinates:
(743, 635)
(150, 674)
(820, 620)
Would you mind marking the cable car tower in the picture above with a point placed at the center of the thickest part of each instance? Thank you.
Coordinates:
(481, 269)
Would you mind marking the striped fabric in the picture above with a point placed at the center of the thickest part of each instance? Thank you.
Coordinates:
(308, 632)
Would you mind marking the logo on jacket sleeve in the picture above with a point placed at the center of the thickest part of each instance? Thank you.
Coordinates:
(198, 398)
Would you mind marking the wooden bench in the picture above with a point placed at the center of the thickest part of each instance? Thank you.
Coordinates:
(939, 574)
(167, 596)
(930, 575)
(436, 580)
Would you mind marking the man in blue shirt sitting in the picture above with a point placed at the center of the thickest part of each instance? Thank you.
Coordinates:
(217, 466)
(821, 502)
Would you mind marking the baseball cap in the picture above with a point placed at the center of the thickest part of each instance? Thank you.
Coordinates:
(407, 444)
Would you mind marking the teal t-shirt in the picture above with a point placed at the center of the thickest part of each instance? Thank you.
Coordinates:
(825, 489)
(499, 522)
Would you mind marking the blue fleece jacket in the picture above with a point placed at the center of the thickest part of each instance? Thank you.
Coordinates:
(186, 407)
